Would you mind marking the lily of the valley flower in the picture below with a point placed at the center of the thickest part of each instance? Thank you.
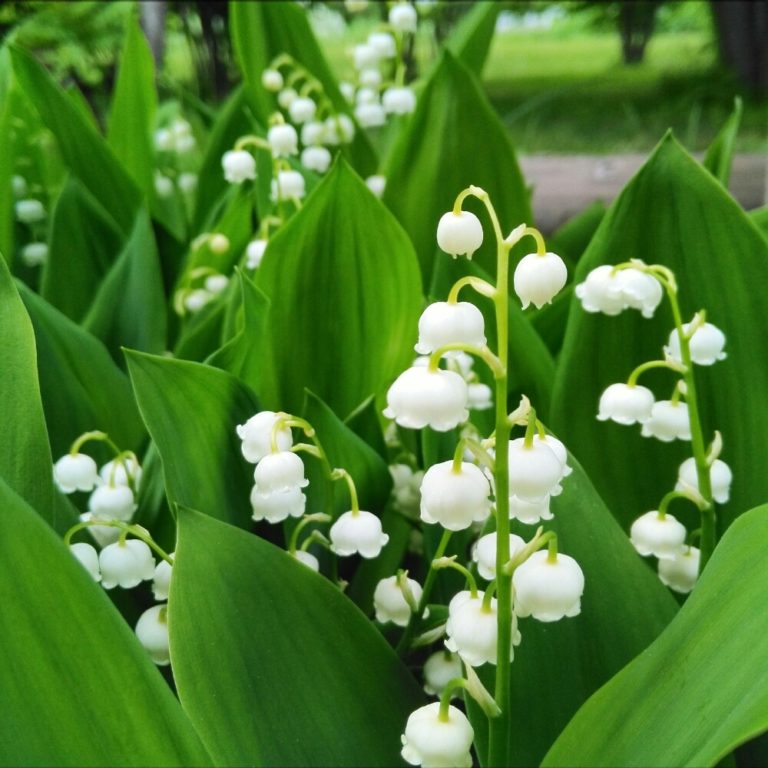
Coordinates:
(459, 233)
(659, 535)
(539, 278)
(152, 632)
(548, 589)
(280, 471)
(75, 472)
(455, 499)
(443, 323)
(389, 601)
(112, 502)
(706, 344)
(316, 159)
(434, 742)
(720, 476)
(238, 166)
(302, 110)
(398, 101)
(669, 421)
(626, 404)
(256, 435)
(535, 471)
(88, 558)
(283, 138)
(680, 572)
(420, 397)
(439, 669)
(357, 533)
(484, 553)
(276, 506)
(126, 564)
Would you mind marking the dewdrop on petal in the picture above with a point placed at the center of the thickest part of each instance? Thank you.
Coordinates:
(484, 553)
(601, 291)
(548, 590)
(316, 159)
(539, 278)
(443, 323)
(112, 502)
(161, 581)
(390, 603)
(238, 166)
(535, 471)
(152, 632)
(626, 404)
(256, 436)
(254, 253)
(459, 234)
(126, 564)
(399, 101)
(720, 477)
(357, 533)
(681, 572)
(434, 743)
(640, 290)
(402, 17)
(288, 184)
(276, 506)
(652, 534)
(706, 344)
(283, 139)
(420, 397)
(439, 669)
(455, 499)
(668, 422)
(280, 471)
(88, 558)
(272, 80)
(75, 472)
(376, 184)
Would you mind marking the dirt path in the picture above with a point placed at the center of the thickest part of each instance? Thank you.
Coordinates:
(566, 184)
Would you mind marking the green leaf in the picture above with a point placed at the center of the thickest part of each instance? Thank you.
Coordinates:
(760, 219)
(674, 213)
(470, 40)
(273, 664)
(84, 150)
(132, 114)
(625, 607)
(452, 140)
(129, 308)
(709, 673)
(78, 689)
(191, 411)
(25, 454)
(344, 301)
(7, 157)
(82, 388)
(719, 157)
(84, 243)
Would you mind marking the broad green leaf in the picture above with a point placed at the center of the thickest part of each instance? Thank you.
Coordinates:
(701, 689)
(760, 218)
(191, 411)
(84, 244)
(719, 156)
(85, 151)
(262, 31)
(78, 689)
(470, 40)
(452, 140)
(343, 283)
(273, 664)
(132, 114)
(7, 158)
(129, 308)
(82, 388)
(25, 454)
(674, 213)
(624, 608)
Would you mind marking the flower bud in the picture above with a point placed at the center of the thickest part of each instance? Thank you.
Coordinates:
(459, 233)
(435, 743)
(254, 253)
(399, 101)
(720, 477)
(626, 404)
(389, 601)
(652, 534)
(668, 422)
(75, 472)
(163, 186)
(681, 572)
(256, 435)
(534, 471)
(161, 581)
(439, 669)
(276, 506)
(548, 590)
(195, 300)
(316, 159)
(112, 502)
(706, 344)
(484, 553)
(126, 564)
(539, 278)
(238, 166)
(283, 138)
(288, 184)
(384, 44)
(34, 254)
(308, 559)
(187, 182)
(152, 632)
(443, 323)
(601, 291)
(376, 184)
(402, 17)
(279, 472)
(88, 557)
(357, 533)
(455, 499)
(218, 243)
(272, 80)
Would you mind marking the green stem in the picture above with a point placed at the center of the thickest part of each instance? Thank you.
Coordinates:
(135, 530)
(481, 286)
(447, 695)
(484, 353)
(342, 474)
(668, 364)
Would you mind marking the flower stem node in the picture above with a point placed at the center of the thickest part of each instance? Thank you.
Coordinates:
(420, 397)
(659, 535)
(720, 475)
(280, 471)
(238, 166)
(256, 436)
(152, 632)
(455, 499)
(459, 234)
(443, 323)
(276, 506)
(548, 589)
(680, 572)
(626, 404)
(358, 533)
(283, 139)
(390, 603)
(706, 343)
(539, 278)
(433, 741)
(669, 421)
(126, 564)
(88, 557)
(112, 502)
(75, 472)
(535, 470)
(439, 669)
(484, 553)
(162, 579)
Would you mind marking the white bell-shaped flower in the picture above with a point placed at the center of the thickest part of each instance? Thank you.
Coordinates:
(444, 323)
(529, 512)
(459, 233)
(272, 80)
(479, 396)
(347, 90)
(19, 186)
(112, 502)
(389, 602)
(406, 488)
(256, 435)
(539, 278)
(384, 44)
(707, 344)
(601, 291)
(276, 506)
(626, 404)
(316, 159)
(720, 478)
(439, 669)
(29, 211)
(287, 185)
(238, 166)
(279, 472)
(399, 101)
(163, 186)
(403, 18)
(283, 139)
(534, 471)
(34, 254)
(254, 253)
(187, 181)
(126, 564)
(215, 284)
(370, 115)
(218, 243)
(88, 557)
(302, 110)
(668, 422)
(455, 499)
(681, 572)
(308, 559)
(161, 582)
(101, 534)
(376, 184)
(313, 133)
(196, 299)
(124, 471)
(484, 553)
(365, 56)
(152, 632)
(639, 290)
(357, 533)
(419, 398)
(75, 472)
(653, 534)
(558, 448)
(286, 97)
(432, 742)
(370, 78)
(339, 129)
(367, 96)
(548, 590)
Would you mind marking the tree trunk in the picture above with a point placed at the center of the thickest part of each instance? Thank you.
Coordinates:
(742, 31)
(153, 23)
(636, 19)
